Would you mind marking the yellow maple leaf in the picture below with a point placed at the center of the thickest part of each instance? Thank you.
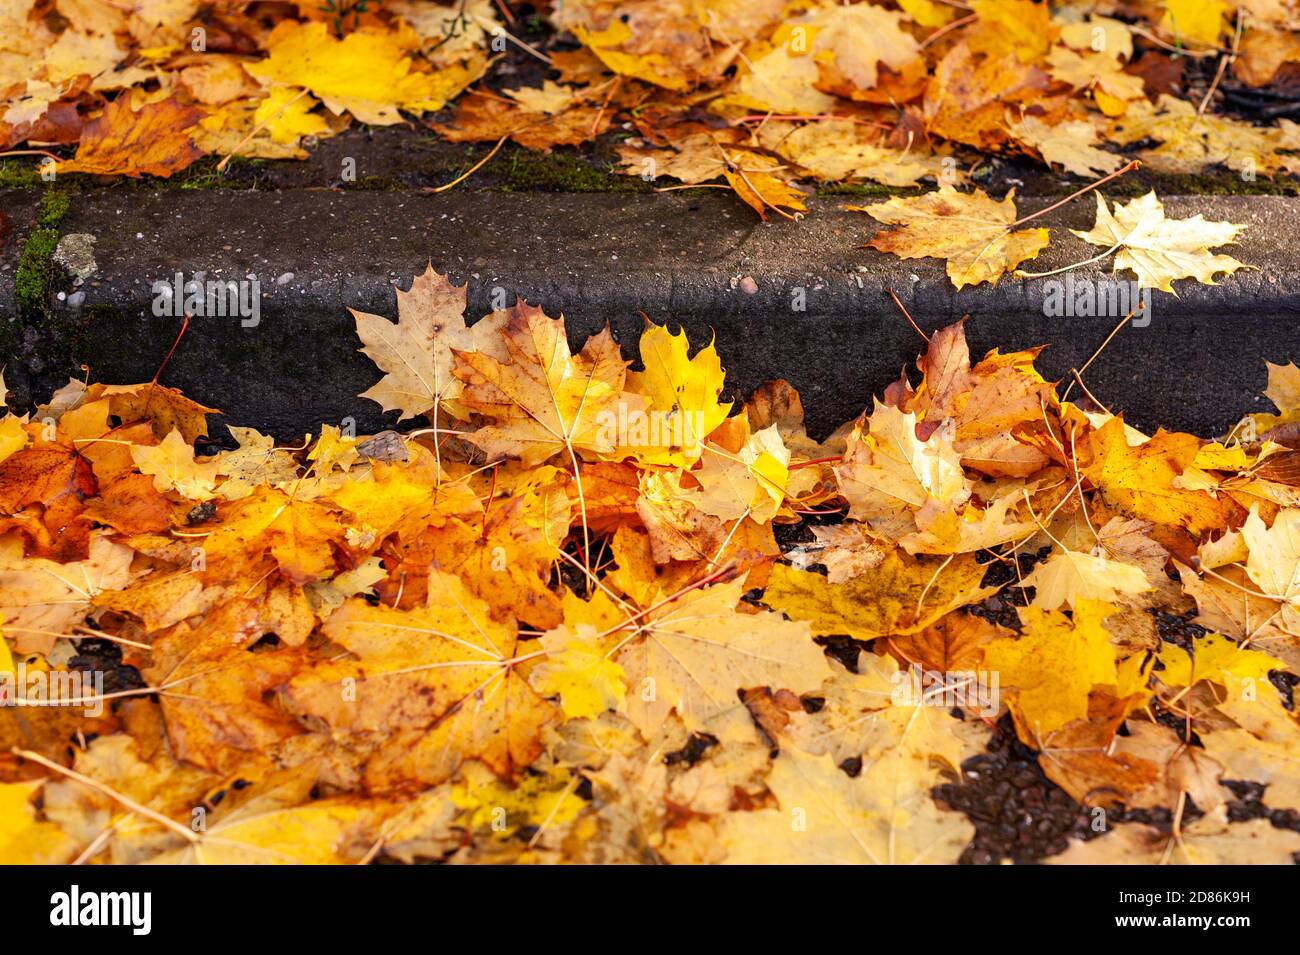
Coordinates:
(77, 53)
(579, 671)
(1200, 21)
(543, 399)
(1274, 561)
(969, 230)
(41, 599)
(1101, 73)
(1140, 480)
(541, 799)
(845, 151)
(6, 656)
(332, 450)
(287, 116)
(440, 682)
(1020, 28)
(879, 708)
(695, 652)
(368, 73)
(857, 38)
(13, 436)
(900, 596)
(256, 461)
(682, 392)
(415, 353)
(1054, 665)
(310, 834)
(1284, 391)
(779, 78)
(1218, 659)
(887, 473)
(761, 190)
(164, 408)
(965, 529)
(295, 534)
(749, 483)
(883, 816)
(653, 67)
(928, 13)
(1159, 250)
(25, 839)
(1100, 35)
(1071, 144)
(173, 466)
(1069, 576)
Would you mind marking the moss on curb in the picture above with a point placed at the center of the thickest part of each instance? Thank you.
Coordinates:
(37, 272)
(54, 206)
(558, 172)
(520, 170)
(1217, 182)
(16, 174)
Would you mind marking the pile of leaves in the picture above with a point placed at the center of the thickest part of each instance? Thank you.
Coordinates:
(752, 95)
(582, 612)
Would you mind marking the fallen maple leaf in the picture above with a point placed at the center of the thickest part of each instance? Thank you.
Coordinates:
(900, 596)
(295, 535)
(415, 353)
(173, 466)
(844, 151)
(969, 230)
(368, 72)
(1140, 480)
(1072, 145)
(40, 600)
(886, 472)
(692, 655)
(25, 839)
(543, 399)
(1054, 666)
(987, 402)
(439, 683)
(155, 140)
(166, 409)
(1070, 576)
(884, 816)
(684, 395)
(1160, 250)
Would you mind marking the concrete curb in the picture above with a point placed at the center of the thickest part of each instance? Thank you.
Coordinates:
(702, 261)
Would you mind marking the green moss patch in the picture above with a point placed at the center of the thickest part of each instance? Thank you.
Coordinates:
(37, 271)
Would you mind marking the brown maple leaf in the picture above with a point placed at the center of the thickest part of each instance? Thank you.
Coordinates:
(154, 141)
